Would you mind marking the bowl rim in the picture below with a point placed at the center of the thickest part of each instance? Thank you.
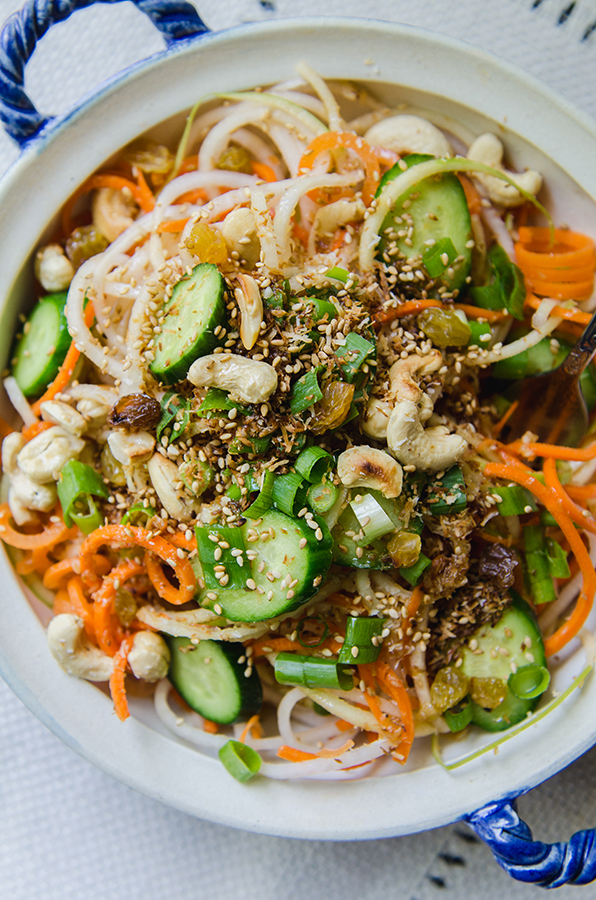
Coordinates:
(174, 773)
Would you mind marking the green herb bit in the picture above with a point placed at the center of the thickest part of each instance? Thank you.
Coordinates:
(242, 762)
(221, 551)
(507, 288)
(354, 354)
(305, 392)
(175, 410)
(138, 514)
(447, 495)
(218, 401)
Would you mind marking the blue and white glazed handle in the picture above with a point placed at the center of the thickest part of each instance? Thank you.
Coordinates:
(176, 19)
(545, 865)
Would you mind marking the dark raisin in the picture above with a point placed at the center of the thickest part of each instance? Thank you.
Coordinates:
(497, 564)
(135, 411)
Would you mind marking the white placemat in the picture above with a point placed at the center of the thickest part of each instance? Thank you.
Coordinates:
(67, 831)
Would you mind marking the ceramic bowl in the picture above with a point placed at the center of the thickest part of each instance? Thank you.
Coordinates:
(402, 65)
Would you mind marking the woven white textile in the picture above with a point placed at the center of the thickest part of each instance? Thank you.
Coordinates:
(67, 831)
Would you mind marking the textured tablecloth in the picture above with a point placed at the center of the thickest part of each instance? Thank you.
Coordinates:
(67, 831)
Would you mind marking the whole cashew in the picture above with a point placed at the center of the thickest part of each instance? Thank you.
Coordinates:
(112, 212)
(376, 418)
(429, 449)
(59, 413)
(70, 648)
(248, 298)
(132, 447)
(43, 457)
(247, 380)
(488, 149)
(53, 268)
(24, 494)
(367, 467)
(409, 134)
(149, 658)
(164, 475)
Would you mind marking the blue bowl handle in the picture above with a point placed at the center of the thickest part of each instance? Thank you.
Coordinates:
(176, 20)
(546, 865)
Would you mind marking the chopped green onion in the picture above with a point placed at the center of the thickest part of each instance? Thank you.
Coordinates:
(372, 518)
(256, 446)
(558, 565)
(447, 495)
(361, 643)
(77, 486)
(432, 256)
(263, 502)
(338, 273)
(480, 334)
(175, 410)
(313, 463)
(311, 672)
(353, 354)
(538, 574)
(515, 499)
(274, 298)
(460, 716)
(322, 497)
(507, 288)
(529, 681)
(241, 761)
(318, 641)
(413, 574)
(218, 401)
(289, 493)
(138, 514)
(305, 392)
(322, 308)
(234, 492)
(215, 544)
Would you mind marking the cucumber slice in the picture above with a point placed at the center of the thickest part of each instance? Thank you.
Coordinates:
(194, 310)
(517, 632)
(41, 350)
(441, 197)
(276, 541)
(212, 681)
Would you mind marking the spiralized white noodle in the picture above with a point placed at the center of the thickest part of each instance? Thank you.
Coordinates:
(18, 400)
(334, 118)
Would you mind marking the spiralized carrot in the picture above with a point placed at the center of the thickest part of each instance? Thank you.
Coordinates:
(411, 307)
(505, 418)
(290, 754)
(134, 536)
(174, 226)
(116, 182)
(117, 680)
(392, 685)
(550, 499)
(263, 171)
(333, 140)
(55, 533)
(146, 199)
(79, 605)
(108, 629)
(561, 312)
(33, 430)
(530, 450)
(563, 269)
(473, 198)
(252, 722)
(58, 574)
(66, 369)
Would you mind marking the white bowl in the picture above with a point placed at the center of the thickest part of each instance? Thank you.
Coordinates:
(429, 70)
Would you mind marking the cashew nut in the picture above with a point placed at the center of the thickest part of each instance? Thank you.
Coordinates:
(429, 449)
(488, 149)
(53, 269)
(408, 134)
(248, 298)
(247, 380)
(149, 658)
(70, 648)
(62, 414)
(367, 467)
(43, 457)
(24, 494)
(94, 401)
(331, 217)
(376, 418)
(131, 447)
(164, 475)
(239, 231)
(112, 212)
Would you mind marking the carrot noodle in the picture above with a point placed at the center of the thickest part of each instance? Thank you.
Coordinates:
(66, 369)
(333, 140)
(116, 182)
(252, 722)
(173, 226)
(290, 754)
(559, 265)
(343, 726)
(79, 605)
(54, 533)
(411, 307)
(530, 450)
(134, 536)
(473, 198)
(117, 680)
(263, 171)
(194, 196)
(209, 726)
(33, 430)
(108, 630)
(146, 199)
(5, 428)
(505, 418)
(581, 492)
(561, 312)
(550, 499)
(391, 683)
(164, 588)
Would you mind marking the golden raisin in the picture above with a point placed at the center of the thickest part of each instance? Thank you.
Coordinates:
(333, 407)
(404, 548)
(207, 244)
(125, 606)
(235, 159)
(449, 687)
(444, 327)
(488, 692)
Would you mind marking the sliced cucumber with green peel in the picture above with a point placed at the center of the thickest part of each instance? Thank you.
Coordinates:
(44, 343)
(438, 210)
(517, 633)
(191, 316)
(290, 564)
(211, 679)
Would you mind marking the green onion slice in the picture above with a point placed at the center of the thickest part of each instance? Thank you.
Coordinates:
(289, 493)
(514, 499)
(313, 463)
(219, 546)
(460, 716)
(138, 514)
(338, 273)
(303, 623)
(218, 401)
(413, 574)
(361, 635)
(263, 502)
(432, 256)
(322, 497)
(77, 486)
(305, 392)
(242, 762)
(353, 354)
(371, 516)
(529, 681)
(311, 672)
